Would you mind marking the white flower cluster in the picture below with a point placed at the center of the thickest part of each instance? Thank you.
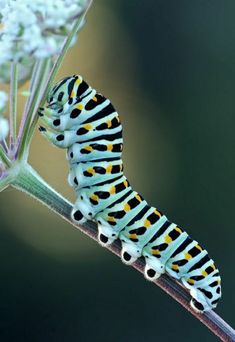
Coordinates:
(35, 27)
(4, 124)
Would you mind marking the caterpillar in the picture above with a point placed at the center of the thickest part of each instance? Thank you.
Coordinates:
(85, 123)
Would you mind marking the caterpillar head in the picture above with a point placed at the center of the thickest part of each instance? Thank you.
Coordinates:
(65, 89)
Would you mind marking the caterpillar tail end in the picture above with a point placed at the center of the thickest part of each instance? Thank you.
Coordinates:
(204, 297)
(201, 303)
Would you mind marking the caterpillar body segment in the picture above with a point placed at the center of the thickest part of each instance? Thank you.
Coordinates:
(97, 200)
(138, 233)
(95, 150)
(113, 219)
(90, 173)
(86, 123)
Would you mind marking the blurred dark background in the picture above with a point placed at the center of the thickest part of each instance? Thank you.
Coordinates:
(168, 67)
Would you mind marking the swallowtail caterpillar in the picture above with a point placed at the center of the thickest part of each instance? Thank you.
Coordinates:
(87, 125)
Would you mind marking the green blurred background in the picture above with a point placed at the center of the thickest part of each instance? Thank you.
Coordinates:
(168, 67)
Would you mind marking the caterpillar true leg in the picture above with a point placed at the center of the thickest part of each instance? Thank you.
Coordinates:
(62, 140)
(52, 121)
(86, 123)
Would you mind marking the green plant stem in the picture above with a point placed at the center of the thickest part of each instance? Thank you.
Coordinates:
(26, 122)
(29, 181)
(4, 145)
(41, 85)
(32, 88)
(37, 76)
(13, 103)
(5, 182)
(43, 82)
(4, 157)
(56, 67)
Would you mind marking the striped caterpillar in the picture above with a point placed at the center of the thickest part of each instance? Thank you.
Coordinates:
(86, 123)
